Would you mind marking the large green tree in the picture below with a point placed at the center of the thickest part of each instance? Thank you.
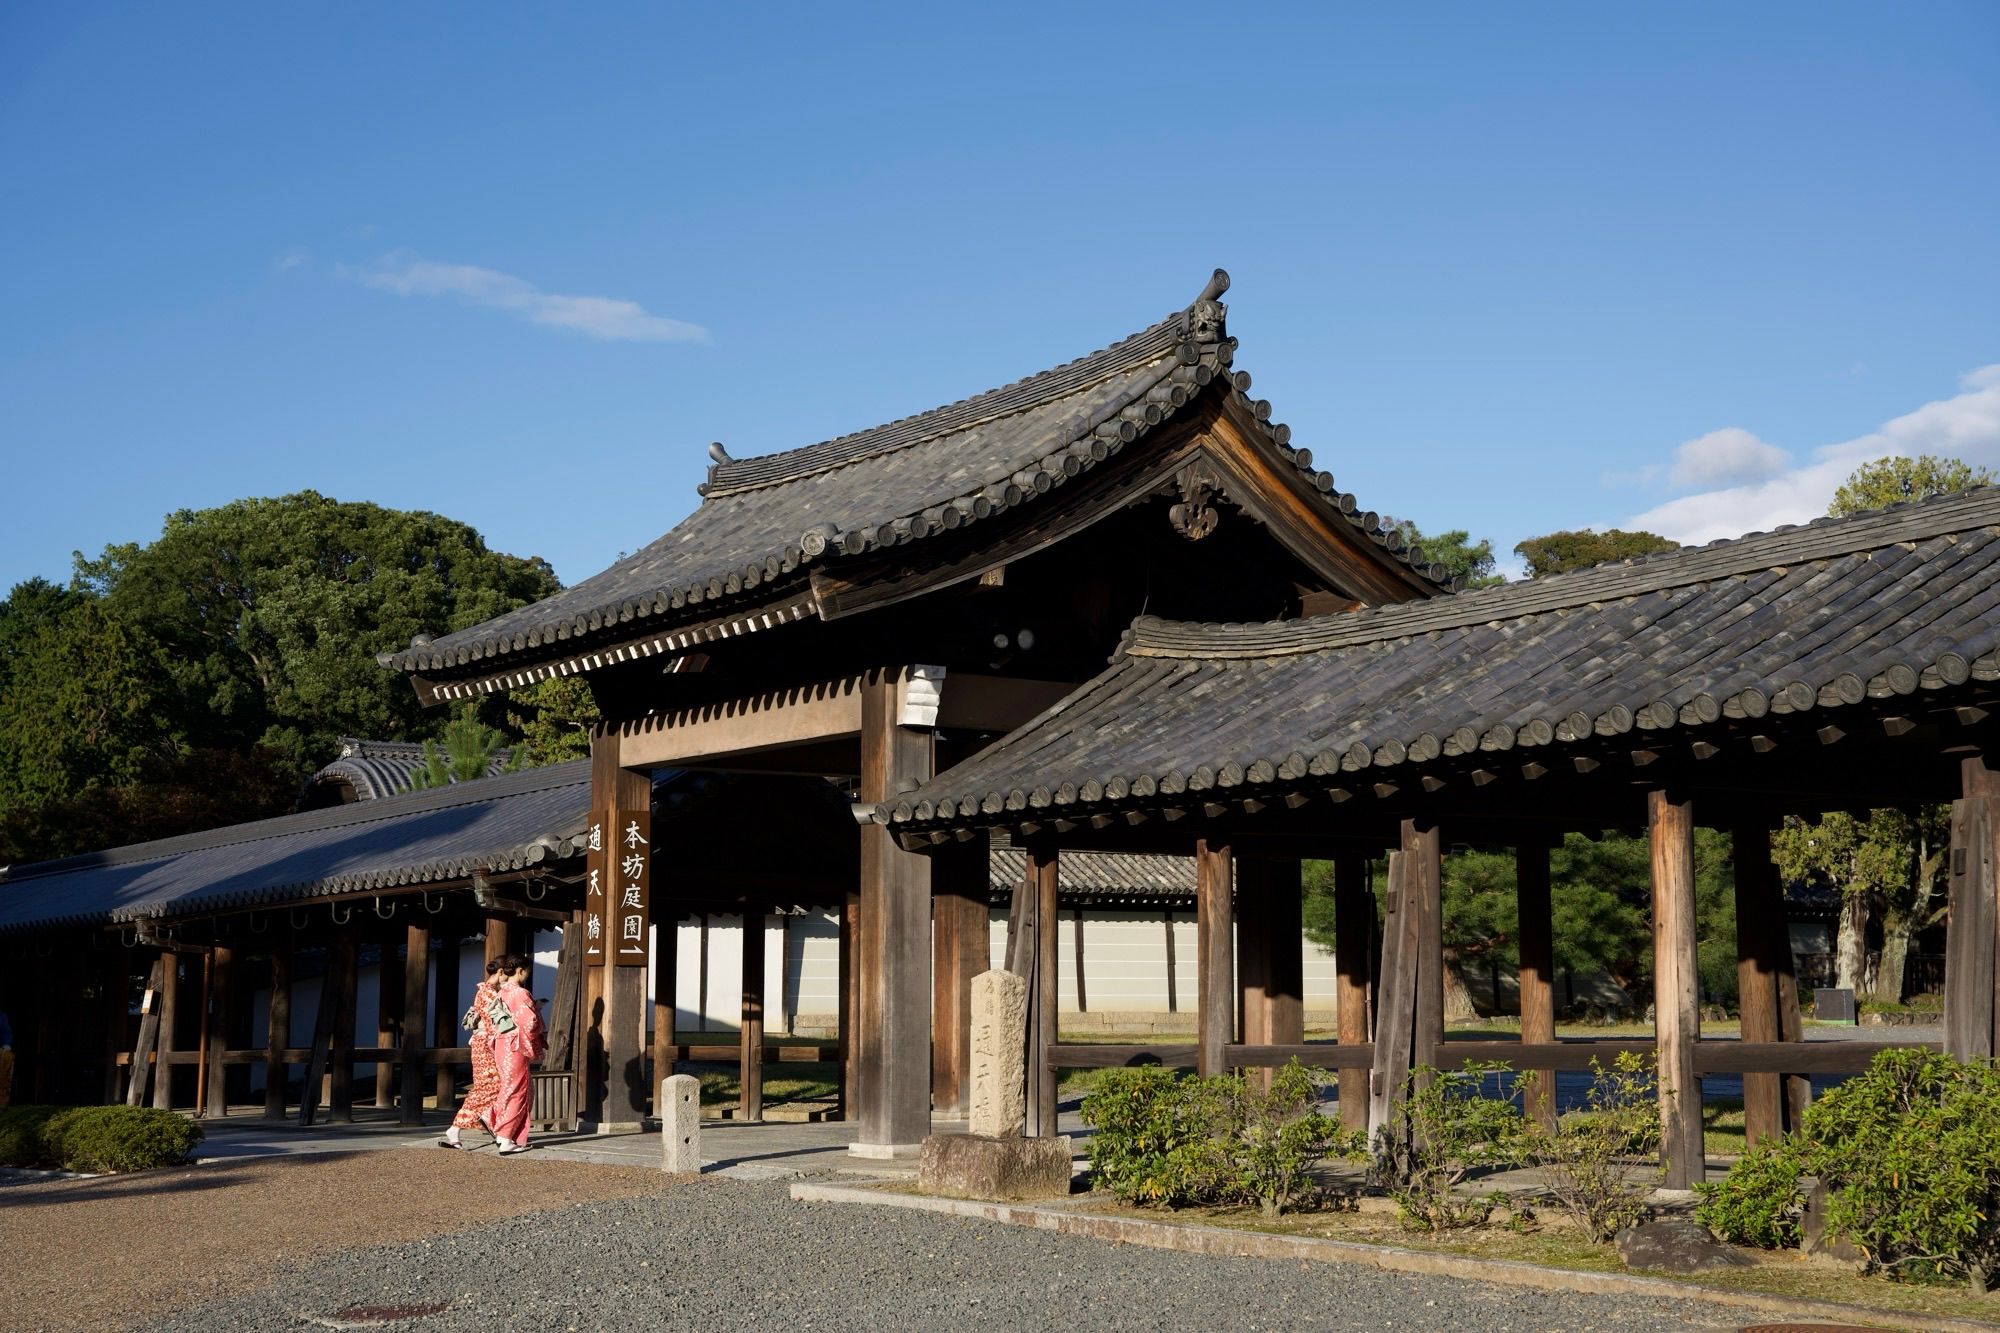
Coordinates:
(1560, 552)
(271, 612)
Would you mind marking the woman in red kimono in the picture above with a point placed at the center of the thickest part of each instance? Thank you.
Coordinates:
(476, 1111)
(515, 1048)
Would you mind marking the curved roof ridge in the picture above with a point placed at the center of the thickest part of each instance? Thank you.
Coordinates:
(1731, 557)
(1149, 344)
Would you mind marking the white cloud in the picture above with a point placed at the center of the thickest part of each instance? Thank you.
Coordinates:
(602, 317)
(1727, 457)
(1965, 425)
(290, 260)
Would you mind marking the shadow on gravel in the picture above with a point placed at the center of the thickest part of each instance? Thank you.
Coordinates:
(164, 1180)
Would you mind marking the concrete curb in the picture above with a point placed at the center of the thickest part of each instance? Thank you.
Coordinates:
(1224, 1241)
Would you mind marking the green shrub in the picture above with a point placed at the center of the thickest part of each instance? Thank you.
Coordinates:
(1153, 1127)
(1278, 1135)
(1598, 1157)
(1760, 1202)
(1909, 1153)
(21, 1135)
(118, 1138)
(1165, 1140)
(1445, 1128)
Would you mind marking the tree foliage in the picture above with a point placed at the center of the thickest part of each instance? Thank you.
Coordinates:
(195, 680)
(272, 612)
(1892, 480)
(1560, 552)
(1464, 560)
(553, 718)
(463, 754)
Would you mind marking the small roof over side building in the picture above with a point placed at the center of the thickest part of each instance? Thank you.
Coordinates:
(370, 770)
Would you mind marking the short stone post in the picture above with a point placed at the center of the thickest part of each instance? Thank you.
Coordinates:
(680, 1125)
(993, 1161)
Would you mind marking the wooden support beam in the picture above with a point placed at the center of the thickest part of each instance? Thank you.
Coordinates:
(1353, 958)
(1970, 976)
(613, 787)
(388, 1011)
(278, 1029)
(114, 995)
(1763, 975)
(893, 964)
(1676, 994)
(960, 886)
(1395, 1000)
(1271, 951)
(1173, 965)
(149, 1033)
(416, 980)
(1423, 857)
(1038, 945)
(221, 1000)
(343, 980)
(1253, 954)
(848, 1102)
(1536, 931)
(664, 977)
(1215, 1017)
(750, 1062)
(311, 1092)
(169, 1002)
(566, 1008)
(445, 1014)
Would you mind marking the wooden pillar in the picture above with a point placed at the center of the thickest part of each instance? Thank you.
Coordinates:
(620, 1028)
(1035, 951)
(1353, 960)
(1253, 954)
(663, 978)
(848, 1105)
(343, 985)
(893, 962)
(221, 994)
(278, 1029)
(1764, 983)
(566, 1008)
(445, 1013)
(1215, 1019)
(1270, 934)
(496, 935)
(1536, 932)
(416, 982)
(961, 881)
(1970, 977)
(169, 1002)
(1676, 994)
(114, 998)
(388, 1012)
(750, 1040)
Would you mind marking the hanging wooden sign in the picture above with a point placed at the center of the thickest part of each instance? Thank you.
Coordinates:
(597, 865)
(630, 886)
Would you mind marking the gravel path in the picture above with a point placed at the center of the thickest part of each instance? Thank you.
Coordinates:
(731, 1254)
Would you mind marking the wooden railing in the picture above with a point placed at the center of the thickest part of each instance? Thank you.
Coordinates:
(1570, 1055)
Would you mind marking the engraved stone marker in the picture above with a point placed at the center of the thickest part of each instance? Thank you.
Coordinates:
(999, 1068)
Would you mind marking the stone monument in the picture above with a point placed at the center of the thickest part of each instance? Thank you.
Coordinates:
(993, 1161)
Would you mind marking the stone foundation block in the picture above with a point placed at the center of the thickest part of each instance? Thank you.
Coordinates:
(973, 1166)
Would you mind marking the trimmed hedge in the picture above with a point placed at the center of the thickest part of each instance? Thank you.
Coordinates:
(95, 1138)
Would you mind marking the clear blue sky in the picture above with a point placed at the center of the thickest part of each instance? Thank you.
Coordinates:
(1496, 265)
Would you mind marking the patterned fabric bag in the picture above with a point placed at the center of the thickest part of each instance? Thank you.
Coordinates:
(500, 1016)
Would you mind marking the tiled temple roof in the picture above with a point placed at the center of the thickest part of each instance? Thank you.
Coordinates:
(740, 562)
(1818, 616)
(498, 824)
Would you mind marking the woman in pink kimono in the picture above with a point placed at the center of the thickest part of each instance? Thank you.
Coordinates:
(516, 1047)
(476, 1111)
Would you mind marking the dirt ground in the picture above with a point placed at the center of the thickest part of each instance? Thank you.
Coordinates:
(112, 1251)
